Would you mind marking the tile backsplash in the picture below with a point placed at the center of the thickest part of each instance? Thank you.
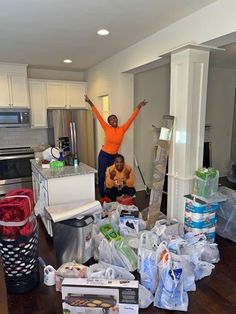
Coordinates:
(15, 137)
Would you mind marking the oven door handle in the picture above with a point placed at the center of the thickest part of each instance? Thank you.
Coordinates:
(17, 157)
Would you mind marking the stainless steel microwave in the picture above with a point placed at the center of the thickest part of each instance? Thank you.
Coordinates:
(14, 118)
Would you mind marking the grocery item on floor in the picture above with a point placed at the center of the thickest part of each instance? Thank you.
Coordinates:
(206, 181)
(200, 216)
(116, 251)
(145, 297)
(100, 296)
(129, 221)
(108, 271)
(69, 270)
(226, 215)
(170, 292)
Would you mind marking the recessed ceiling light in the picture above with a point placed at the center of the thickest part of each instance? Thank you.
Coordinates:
(103, 32)
(68, 61)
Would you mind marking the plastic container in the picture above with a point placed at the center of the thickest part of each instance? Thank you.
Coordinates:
(73, 240)
(206, 182)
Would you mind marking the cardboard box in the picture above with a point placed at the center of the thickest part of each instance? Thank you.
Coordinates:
(90, 296)
(196, 205)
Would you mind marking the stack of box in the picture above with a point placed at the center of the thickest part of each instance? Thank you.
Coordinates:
(200, 216)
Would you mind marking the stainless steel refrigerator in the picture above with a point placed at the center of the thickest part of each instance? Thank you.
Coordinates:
(78, 125)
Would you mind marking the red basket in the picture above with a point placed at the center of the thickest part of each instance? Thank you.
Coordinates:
(16, 213)
(125, 199)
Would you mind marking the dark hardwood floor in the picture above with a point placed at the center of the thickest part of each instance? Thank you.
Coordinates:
(214, 294)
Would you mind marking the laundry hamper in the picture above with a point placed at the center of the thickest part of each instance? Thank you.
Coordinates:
(19, 242)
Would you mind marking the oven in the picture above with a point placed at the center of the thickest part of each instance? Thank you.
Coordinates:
(15, 168)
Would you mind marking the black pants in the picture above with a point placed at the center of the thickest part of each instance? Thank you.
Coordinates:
(114, 192)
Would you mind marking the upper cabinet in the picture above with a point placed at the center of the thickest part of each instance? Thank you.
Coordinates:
(13, 86)
(37, 93)
(53, 94)
(56, 94)
(75, 92)
(65, 94)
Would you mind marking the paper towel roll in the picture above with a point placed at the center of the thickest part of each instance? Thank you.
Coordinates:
(71, 210)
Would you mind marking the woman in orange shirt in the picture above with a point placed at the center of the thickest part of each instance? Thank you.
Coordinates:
(113, 138)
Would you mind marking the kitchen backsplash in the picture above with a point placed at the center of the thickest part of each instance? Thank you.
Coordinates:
(15, 137)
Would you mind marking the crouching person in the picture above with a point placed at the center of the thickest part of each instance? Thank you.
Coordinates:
(119, 179)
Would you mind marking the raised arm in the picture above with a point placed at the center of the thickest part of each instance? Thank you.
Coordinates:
(127, 124)
(96, 112)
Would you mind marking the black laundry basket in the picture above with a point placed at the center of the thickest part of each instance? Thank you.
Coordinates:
(20, 261)
(19, 241)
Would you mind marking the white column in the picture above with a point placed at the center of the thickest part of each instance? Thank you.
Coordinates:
(189, 72)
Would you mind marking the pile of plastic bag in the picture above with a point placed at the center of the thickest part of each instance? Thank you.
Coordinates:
(170, 264)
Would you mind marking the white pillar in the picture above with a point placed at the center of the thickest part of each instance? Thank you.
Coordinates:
(189, 72)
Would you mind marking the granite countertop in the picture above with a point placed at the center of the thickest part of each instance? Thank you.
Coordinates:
(66, 171)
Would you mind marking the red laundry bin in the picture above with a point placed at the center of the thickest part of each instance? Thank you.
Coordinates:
(19, 241)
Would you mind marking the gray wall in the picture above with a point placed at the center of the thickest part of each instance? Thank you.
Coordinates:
(153, 85)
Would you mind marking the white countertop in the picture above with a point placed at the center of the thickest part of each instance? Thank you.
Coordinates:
(66, 171)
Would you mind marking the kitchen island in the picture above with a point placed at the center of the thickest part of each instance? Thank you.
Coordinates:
(62, 185)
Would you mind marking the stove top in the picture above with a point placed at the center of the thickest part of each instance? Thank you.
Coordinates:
(16, 150)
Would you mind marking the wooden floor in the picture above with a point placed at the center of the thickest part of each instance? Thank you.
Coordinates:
(214, 294)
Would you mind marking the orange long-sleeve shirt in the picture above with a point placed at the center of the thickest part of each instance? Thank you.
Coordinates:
(119, 177)
(113, 136)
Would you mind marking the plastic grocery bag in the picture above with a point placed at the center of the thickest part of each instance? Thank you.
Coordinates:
(184, 262)
(108, 254)
(210, 253)
(170, 292)
(145, 297)
(203, 269)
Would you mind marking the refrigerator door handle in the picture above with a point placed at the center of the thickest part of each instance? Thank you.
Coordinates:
(72, 138)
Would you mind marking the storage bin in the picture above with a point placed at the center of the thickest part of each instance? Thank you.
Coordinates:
(73, 240)
(19, 241)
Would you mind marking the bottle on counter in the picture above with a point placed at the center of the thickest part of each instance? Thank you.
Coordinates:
(76, 163)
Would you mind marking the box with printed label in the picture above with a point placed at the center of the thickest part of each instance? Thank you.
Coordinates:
(130, 219)
(99, 296)
(196, 220)
(198, 206)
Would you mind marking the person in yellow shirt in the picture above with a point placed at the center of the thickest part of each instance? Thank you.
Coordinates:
(119, 179)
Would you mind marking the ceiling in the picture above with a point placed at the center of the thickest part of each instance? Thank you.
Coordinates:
(42, 33)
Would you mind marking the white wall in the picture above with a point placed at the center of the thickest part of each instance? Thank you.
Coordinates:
(153, 85)
(219, 115)
(106, 78)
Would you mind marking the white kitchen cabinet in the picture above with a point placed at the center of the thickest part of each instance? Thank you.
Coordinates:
(56, 94)
(38, 103)
(13, 86)
(75, 92)
(65, 94)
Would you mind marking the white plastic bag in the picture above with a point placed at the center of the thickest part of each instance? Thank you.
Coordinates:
(170, 292)
(145, 297)
(184, 262)
(203, 269)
